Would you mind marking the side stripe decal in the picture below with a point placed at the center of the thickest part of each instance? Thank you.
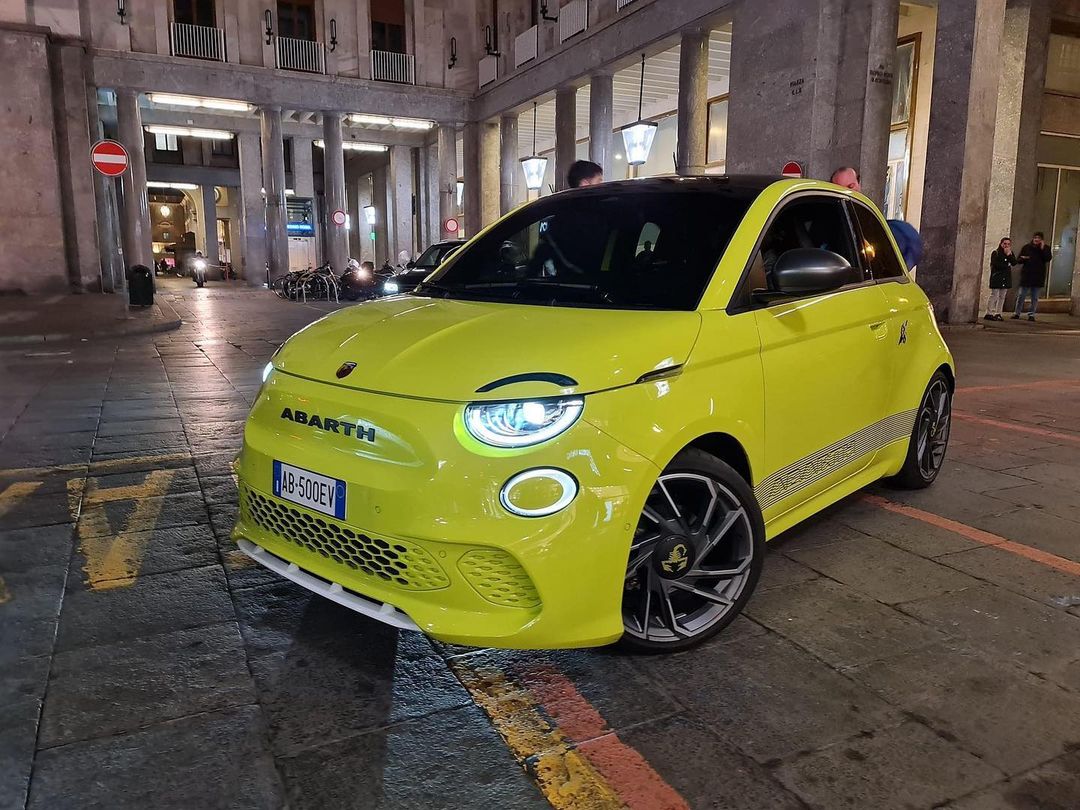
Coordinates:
(824, 462)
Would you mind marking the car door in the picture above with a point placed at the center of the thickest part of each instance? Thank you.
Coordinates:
(825, 359)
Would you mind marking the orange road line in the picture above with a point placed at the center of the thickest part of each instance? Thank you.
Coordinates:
(1012, 386)
(978, 535)
(1034, 431)
(623, 768)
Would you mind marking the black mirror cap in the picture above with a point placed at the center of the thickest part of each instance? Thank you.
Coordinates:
(805, 271)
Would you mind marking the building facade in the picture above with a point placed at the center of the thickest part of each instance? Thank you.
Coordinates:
(272, 137)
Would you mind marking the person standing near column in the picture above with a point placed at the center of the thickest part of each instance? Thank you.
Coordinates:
(1001, 264)
(1035, 258)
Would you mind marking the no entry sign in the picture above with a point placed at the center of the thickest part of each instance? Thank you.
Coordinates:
(792, 169)
(451, 225)
(109, 158)
(339, 217)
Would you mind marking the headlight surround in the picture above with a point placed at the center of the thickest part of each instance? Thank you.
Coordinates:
(522, 423)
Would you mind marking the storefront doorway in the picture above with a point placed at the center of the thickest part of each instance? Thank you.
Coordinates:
(1057, 204)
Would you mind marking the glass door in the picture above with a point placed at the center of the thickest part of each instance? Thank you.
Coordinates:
(1058, 202)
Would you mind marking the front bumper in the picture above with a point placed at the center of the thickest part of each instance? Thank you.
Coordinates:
(425, 534)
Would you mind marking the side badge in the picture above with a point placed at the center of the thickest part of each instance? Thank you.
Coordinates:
(345, 369)
(903, 333)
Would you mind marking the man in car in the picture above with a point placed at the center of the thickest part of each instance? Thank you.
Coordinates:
(584, 173)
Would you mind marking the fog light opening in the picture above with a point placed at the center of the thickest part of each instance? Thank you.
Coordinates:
(564, 490)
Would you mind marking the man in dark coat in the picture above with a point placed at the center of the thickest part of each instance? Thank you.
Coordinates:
(1035, 258)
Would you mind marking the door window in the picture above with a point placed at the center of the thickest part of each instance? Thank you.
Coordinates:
(296, 19)
(877, 251)
(806, 222)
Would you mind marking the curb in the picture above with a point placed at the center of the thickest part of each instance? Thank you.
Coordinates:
(170, 322)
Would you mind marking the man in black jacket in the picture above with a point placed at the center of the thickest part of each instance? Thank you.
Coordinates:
(1035, 258)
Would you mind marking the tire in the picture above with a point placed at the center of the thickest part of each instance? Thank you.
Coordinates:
(667, 608)
(934, 415)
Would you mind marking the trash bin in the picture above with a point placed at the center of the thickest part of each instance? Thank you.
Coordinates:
(141, 286)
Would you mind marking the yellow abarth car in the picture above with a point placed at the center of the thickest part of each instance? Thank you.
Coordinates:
(586, 423)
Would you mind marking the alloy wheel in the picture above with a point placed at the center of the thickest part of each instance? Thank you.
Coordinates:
(690, 559)
(935, 416)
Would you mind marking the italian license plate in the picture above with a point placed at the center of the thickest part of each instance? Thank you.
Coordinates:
(318, 492)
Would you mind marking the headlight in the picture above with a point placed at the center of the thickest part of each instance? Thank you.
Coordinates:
(200, 264)
(524, 423)
(390, 287)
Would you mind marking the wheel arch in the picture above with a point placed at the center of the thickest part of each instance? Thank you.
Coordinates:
(728, 449)
(950, 375)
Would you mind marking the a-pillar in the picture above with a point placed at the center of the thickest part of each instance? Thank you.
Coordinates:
(209, 205)
(959, 154)
(448, 175)
(337, 236)
(252, 209)
(400, 203)
(829, 82)
(693, 102)
(508, 163)
(1019, 114)
(273, 153)
(601, 120)
(565, 133)
(135, 215)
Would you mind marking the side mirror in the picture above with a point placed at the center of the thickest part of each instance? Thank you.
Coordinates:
(806, 271)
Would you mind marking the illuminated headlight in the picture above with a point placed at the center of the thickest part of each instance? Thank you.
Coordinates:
(538, 493)
(266, 371)
(390, 287)
(524, 423)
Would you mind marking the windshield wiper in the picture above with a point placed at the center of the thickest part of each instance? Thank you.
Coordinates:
(434, 286)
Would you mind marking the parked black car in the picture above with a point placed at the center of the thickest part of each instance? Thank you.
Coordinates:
(415, 272)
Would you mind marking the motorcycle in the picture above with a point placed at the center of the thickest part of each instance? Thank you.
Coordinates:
(358, 282)
(198, 271)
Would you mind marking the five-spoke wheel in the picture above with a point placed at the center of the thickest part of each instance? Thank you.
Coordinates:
(929, 437)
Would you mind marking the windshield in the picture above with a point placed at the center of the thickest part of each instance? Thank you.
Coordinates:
(621, 250)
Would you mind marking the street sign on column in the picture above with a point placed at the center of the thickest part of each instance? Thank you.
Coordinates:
(339, 217)
(792, 169)
(109, 157)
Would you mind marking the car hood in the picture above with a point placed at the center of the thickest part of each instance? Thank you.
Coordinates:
(449, 350)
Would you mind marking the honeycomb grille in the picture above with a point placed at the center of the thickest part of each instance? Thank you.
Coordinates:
(394, 561)
(499, 578)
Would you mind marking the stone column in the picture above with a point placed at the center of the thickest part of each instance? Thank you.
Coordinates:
(508, 163)
(107, 218)
(565, 133)
(489, 172)
(448, 175)
(209, 204)
(135, 215)
(400, 203)
(959, 155)
(1016, 132)
(693, 102)
(337, 236)
(601, 120)
(252, 209)
(381, 195)
(471, 174)
(303, 176)
(273, 154)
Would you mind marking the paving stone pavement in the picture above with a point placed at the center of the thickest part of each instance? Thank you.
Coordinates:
(892, 657)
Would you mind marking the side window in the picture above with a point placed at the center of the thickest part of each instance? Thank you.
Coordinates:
(877, 249)
(807, 222)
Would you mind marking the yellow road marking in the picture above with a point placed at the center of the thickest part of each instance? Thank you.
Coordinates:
(15, 493)
(113, 560)
(99, 466)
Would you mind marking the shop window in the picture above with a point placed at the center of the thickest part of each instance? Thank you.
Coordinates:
(1063, 62)
(905, 81)
(296, 19)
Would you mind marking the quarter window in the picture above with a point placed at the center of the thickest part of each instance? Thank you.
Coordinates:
(807, 222)
(877, 249)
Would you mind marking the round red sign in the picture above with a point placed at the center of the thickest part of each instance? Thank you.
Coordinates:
(792, 169)
(109, 157)
(451, 225)
(339, 217)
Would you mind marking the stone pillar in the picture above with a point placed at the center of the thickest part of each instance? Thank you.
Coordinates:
(303, 176)
(959, 155)
(601, 120)
(471, 174)
(273, 154)
(337, 236)
(209, 205)
(252, 209)
(693, 102)
(448, 175)
(381, 196)
(489, 172)
(509, 167)
(400, 203)
(1016, 132)
(830, 83)
(107, 216)
(135, 218)
(565, 133)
